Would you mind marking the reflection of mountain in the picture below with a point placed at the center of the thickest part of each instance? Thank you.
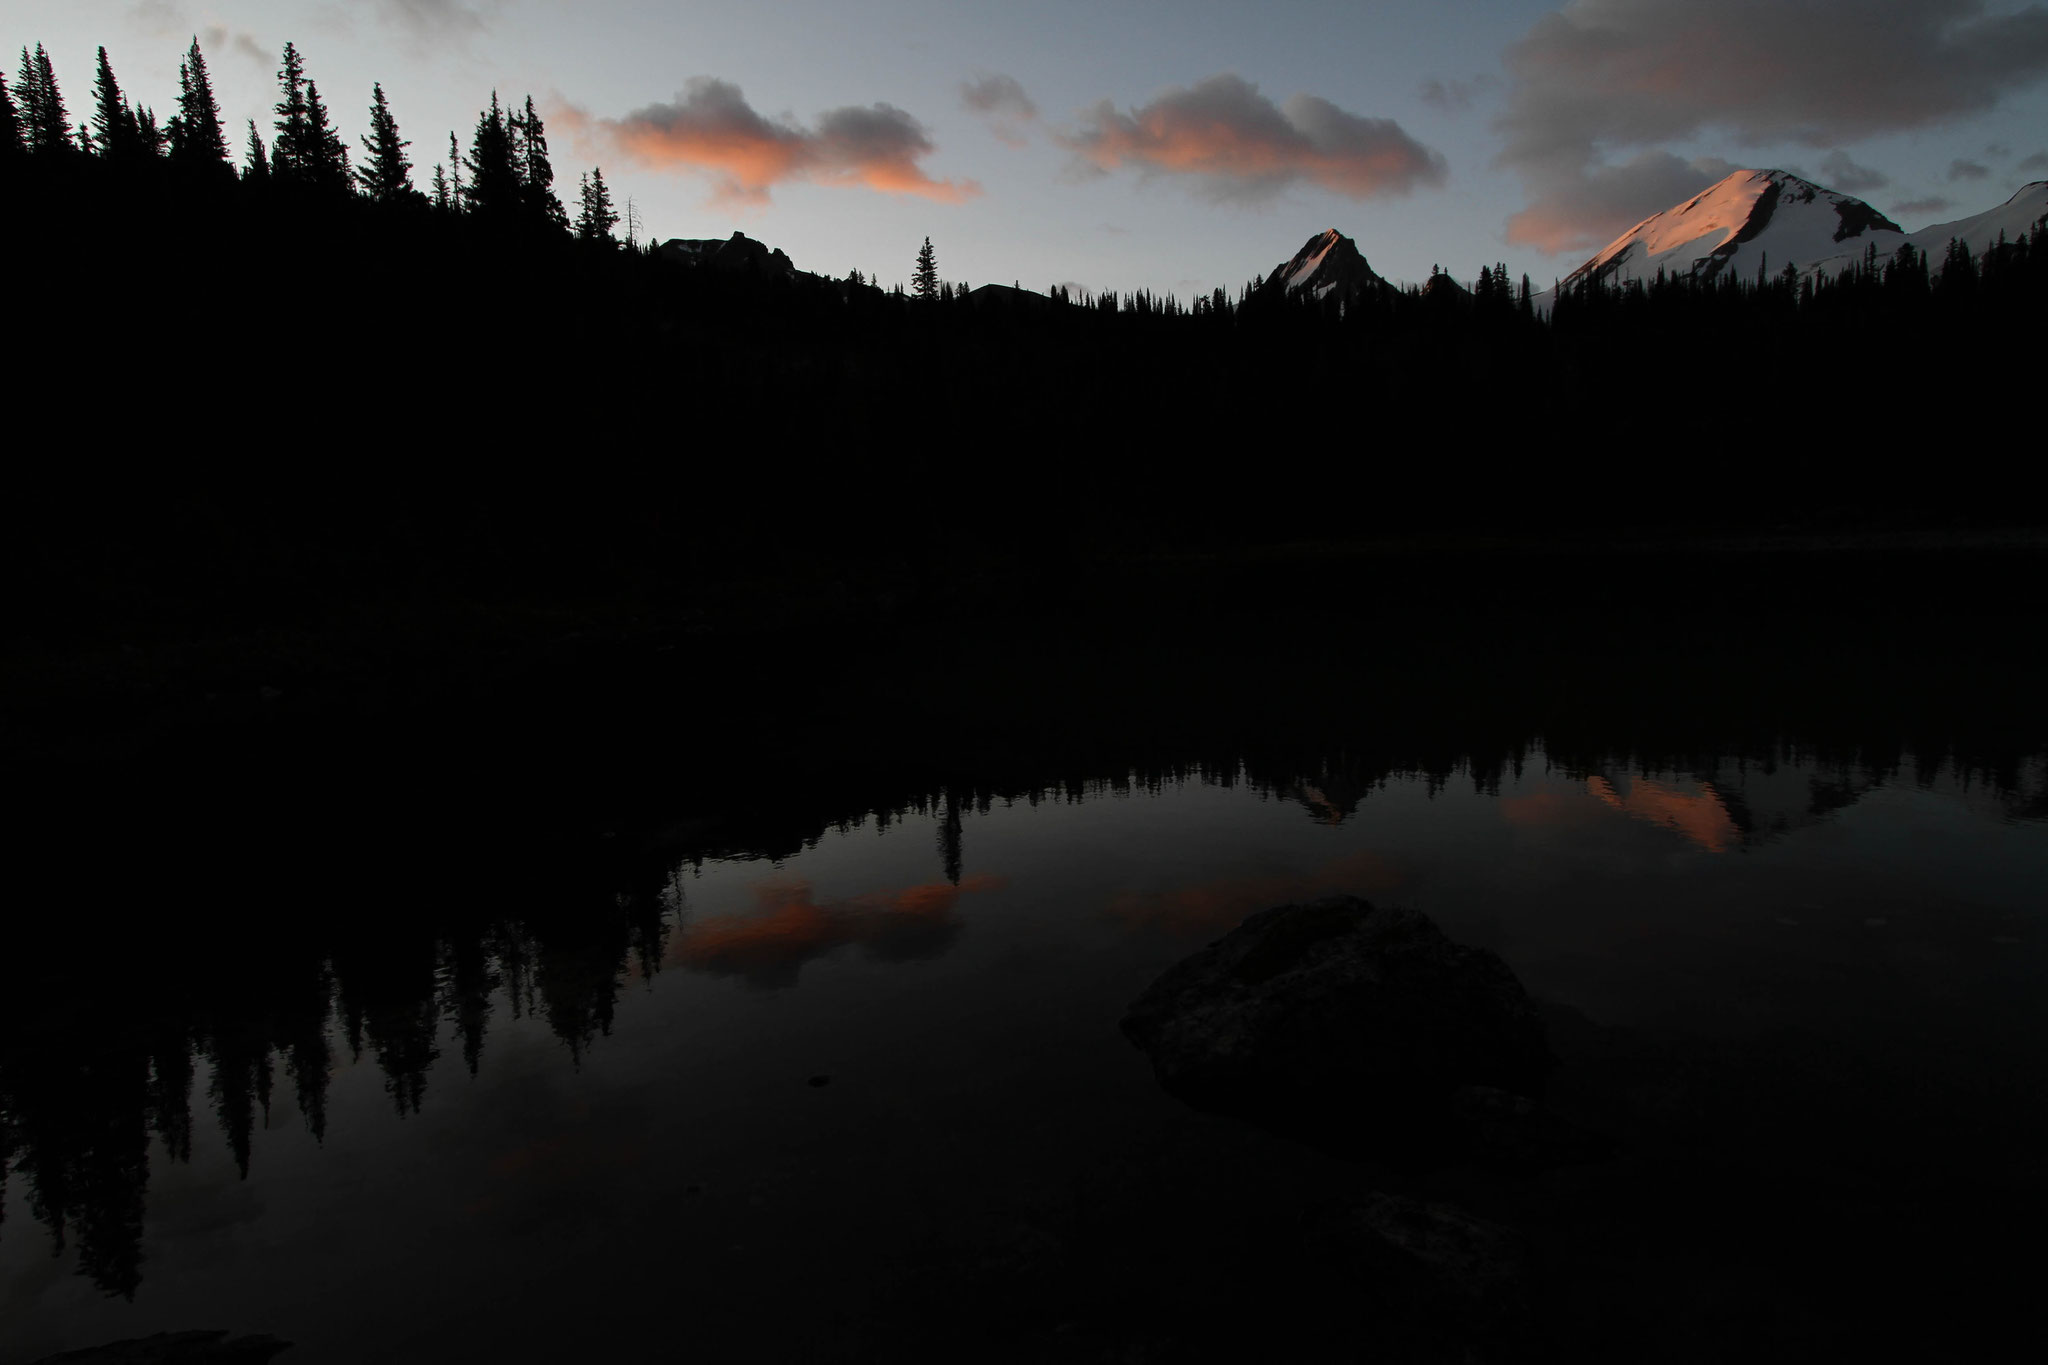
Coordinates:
(1736, 801)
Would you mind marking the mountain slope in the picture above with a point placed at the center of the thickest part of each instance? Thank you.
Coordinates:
(2015, 218)
(1750, 218)
(1329, 261)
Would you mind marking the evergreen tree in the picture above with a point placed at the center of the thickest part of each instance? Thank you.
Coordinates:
(924, 281)
(45, 121)
(11, 145)
(387, 177)
(150, 140)
(256, 162)
(444, 195)
(598, 218)
(494, 190)
(536, 171)
(455, 199)
(115, 127)
(196, 136)
(291, 153)
(328, 168)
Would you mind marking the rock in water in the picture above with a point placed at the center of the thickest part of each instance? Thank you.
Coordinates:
(1361, 1029)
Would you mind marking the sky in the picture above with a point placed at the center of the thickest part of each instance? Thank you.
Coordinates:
(1168, 145)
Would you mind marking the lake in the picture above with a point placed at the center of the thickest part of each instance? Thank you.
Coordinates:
(780, 1022)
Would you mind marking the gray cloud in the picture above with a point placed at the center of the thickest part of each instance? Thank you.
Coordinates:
(1997, 151)
(1914, 208)
(1002, 101)
(1599, 76)
(216, 39)
(1236, 144)
(1845, 175)
(1455, 96)
(2037, 162)
(1960, 169)
(438, 18)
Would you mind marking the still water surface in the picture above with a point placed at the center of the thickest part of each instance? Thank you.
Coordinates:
(787, 1103)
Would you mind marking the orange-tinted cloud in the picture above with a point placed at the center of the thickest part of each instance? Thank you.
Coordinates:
(1216, 906)
(1238, 144)
(711, 130)
(789, 926)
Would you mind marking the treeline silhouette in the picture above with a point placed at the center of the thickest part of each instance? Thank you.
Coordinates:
(393, 896)
(251, 387)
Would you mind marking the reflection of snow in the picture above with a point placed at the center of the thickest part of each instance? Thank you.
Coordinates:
(1698, 814)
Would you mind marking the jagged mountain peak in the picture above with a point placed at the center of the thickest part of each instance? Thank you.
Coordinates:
(1327, 262)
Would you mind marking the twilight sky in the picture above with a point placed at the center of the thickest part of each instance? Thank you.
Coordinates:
(1173, 145)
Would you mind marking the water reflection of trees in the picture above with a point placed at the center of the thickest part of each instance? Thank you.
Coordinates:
(99, 1064)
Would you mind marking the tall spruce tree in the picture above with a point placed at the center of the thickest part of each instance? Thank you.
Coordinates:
(45, 121)
(455, 174)
(494, 191)
(197, 140)
(598, 217)
(536, 172)
(291, 153)
(387, 176)
(150, 140)
(256, 162)
(11, 145)
(444, 194)
(924, 281)
(114, 125)
(328, 168)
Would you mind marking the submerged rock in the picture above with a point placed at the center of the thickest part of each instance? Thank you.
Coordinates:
(1362, 1029)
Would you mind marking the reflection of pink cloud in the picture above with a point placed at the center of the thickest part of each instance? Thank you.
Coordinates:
(789, 926)
(1699, 816)
(1208, 907)
(711, 129)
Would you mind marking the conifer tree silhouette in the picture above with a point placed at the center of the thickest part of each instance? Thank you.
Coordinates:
(291, 150)
(45, 121)
(924, 281)
(256, 162)
(494, 191)
(115, 127)
(11, 145)
(327, 166)
(196, 136)
(536, 171)
(598, 217)
(387, 176)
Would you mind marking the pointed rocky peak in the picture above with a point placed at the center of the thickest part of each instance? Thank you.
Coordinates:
(1328, 262)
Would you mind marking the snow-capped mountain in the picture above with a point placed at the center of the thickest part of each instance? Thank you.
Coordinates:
(1751, 218)
(1330, 261)
(2015, 218)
